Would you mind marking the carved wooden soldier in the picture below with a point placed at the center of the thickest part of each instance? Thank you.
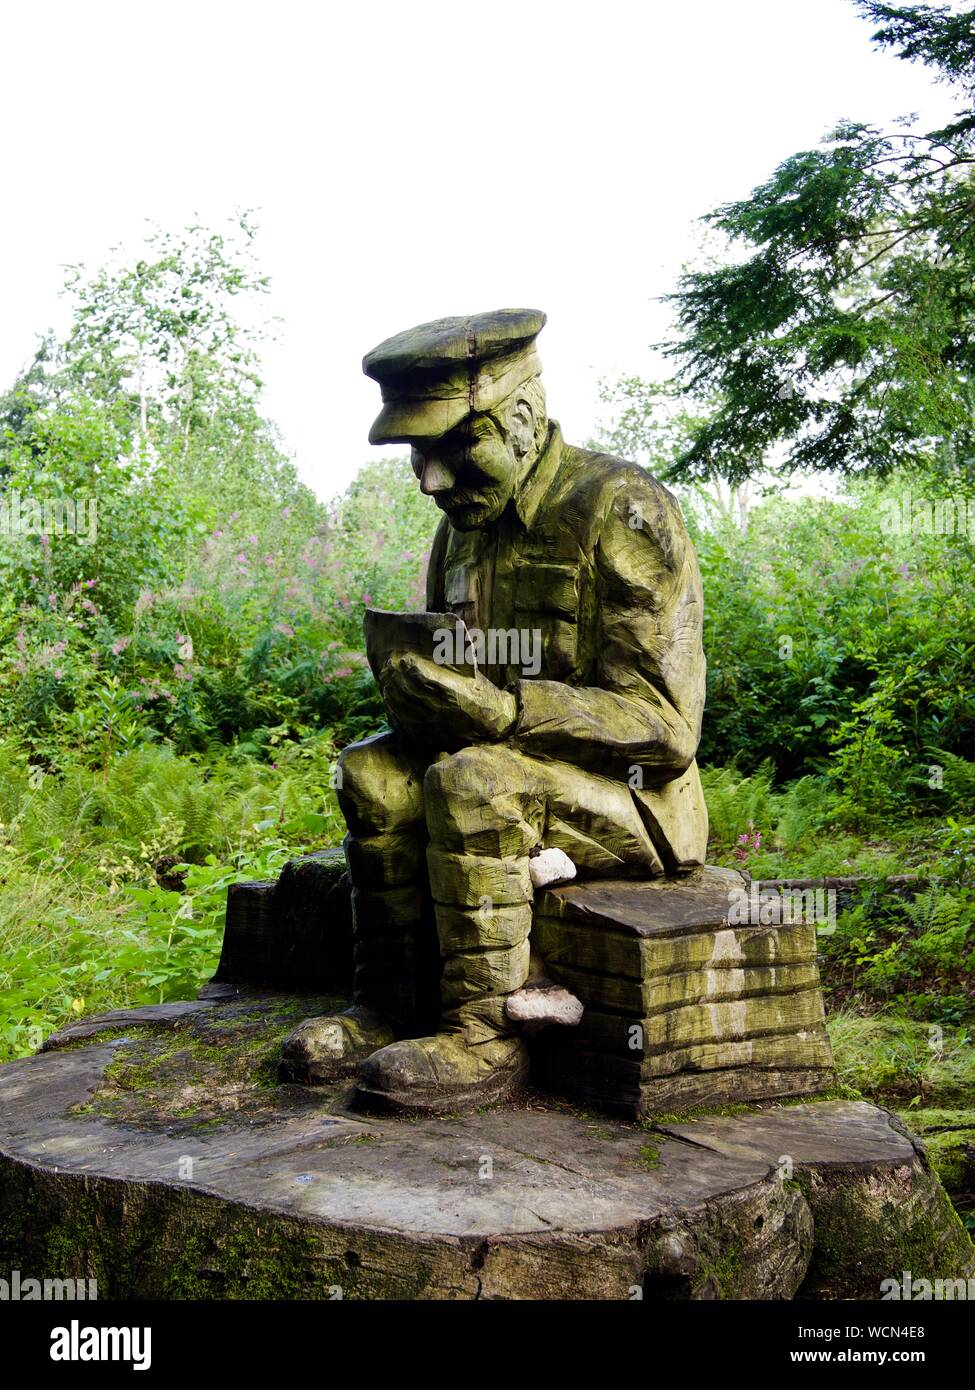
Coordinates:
(593, 752)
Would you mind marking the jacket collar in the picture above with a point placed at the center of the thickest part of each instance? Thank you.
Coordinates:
(536, 486)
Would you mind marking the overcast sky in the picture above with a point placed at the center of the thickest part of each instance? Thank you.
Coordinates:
(415, 159)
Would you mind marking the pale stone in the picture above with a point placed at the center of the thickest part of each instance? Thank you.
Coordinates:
(544, 1004)
(550, 866)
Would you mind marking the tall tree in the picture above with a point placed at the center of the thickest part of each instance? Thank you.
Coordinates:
(840, 334)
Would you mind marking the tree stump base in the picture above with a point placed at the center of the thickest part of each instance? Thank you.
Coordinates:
(155, 1152)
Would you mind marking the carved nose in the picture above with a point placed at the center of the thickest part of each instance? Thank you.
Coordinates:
(435, 478)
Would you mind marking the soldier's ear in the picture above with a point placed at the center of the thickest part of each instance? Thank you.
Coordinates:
(521, 426)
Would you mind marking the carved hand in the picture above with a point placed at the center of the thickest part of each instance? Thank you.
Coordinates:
(436, 704)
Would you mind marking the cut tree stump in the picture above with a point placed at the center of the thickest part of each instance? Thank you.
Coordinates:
(160, 1157)
(292, 933)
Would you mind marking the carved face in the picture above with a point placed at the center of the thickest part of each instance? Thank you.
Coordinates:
(472, 472)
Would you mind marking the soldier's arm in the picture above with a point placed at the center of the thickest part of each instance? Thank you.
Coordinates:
(645, 707)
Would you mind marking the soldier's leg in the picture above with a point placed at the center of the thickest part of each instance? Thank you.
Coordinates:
(485, 810)
(397, 968)
(397, 963)
(487, 807)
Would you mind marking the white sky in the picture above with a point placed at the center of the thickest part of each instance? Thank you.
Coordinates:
(415, 159)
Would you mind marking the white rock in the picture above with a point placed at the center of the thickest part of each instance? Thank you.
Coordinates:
(543, 1004)
(551, 866)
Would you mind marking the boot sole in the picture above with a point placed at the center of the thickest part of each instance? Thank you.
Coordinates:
(417, 1101)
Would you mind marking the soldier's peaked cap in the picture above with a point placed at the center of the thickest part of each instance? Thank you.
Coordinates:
(436, 374)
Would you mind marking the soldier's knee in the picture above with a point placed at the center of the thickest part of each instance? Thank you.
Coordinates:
(478, 775)
(472, 770)
(378, 787)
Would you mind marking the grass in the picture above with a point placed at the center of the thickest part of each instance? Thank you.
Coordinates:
(896, 1060)
(85, 923)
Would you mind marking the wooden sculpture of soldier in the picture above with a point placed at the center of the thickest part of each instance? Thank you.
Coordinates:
(590, 749)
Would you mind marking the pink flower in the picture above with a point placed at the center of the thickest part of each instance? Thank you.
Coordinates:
(119, 647)
(52, 600)
(241, 558)
(45, 541)
(284, 629)
(344, 671)
(252, 540)
(367, 598)
(59, 673)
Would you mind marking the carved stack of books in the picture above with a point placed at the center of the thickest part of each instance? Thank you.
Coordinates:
(688, 1002)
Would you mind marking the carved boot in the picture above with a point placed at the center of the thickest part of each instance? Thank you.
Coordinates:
(475, 1058)
(331, 1046)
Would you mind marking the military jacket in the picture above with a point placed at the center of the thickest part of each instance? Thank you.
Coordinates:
(592, 559)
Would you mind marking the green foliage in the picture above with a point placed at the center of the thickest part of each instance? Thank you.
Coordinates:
(887, 1058)
(838, 645)
(914, 949)
(841, 327)
(85, 922)
(138, 603)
